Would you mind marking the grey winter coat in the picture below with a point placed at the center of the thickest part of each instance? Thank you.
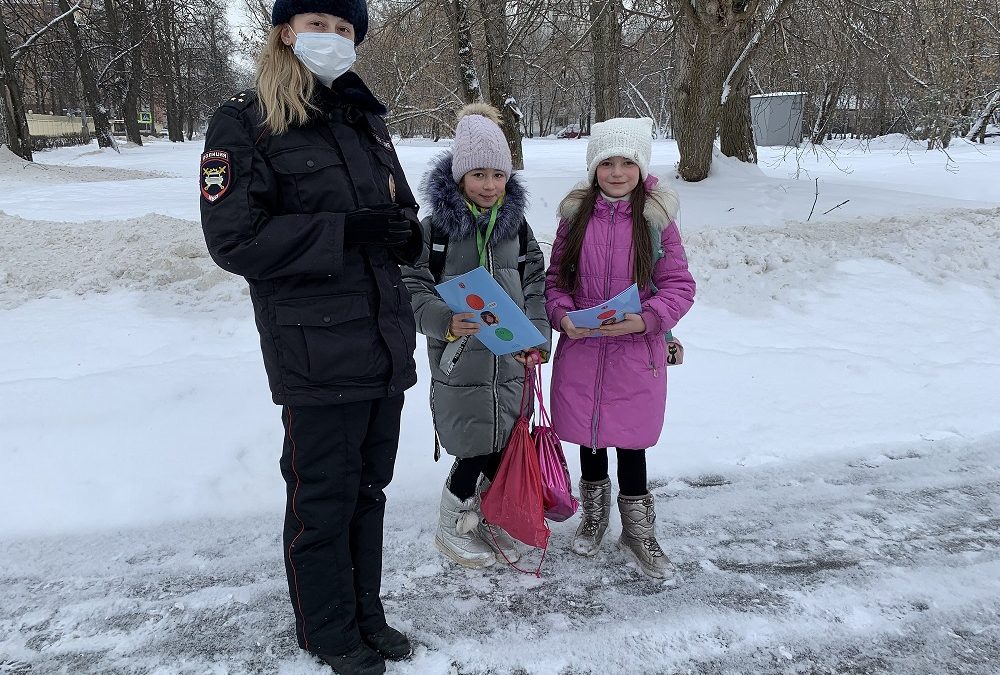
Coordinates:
(475, 396)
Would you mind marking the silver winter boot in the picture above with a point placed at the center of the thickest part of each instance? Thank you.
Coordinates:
(494, 535)
(596, 500)
(639, 536)
(457, 535)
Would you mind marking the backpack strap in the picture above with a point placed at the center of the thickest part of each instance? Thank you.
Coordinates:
(654, 234)
(439, 250)
(658, 254)
(522, 249)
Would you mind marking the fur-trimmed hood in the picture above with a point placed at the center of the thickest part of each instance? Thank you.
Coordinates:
(662, 203)
(449, 210)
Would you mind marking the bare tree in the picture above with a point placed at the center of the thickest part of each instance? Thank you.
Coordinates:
(706, 32)
(15, 126)
(498, 75)
(88, 80)
(606, 35)
(136, 35)
(735, 130)
(468, 74)
(978, 127)
(12, 109)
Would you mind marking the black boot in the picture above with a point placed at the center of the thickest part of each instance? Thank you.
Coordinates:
(359, 661)
(389, 643)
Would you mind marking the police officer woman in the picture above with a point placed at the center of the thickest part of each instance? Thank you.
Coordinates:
(303, 195)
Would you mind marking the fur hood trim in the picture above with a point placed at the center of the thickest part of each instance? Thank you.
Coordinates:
(449, 210)
(662, 203)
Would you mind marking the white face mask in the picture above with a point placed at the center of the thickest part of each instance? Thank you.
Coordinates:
(327, 55)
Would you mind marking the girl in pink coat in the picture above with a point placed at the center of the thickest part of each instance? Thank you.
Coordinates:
(609, 385)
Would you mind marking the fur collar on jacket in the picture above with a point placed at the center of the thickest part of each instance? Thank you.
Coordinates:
(450, 213)
(662, 203)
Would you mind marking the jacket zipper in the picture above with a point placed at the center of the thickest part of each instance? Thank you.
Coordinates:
(602, 348)
(458, 354)
(496, 369)
(652, 361)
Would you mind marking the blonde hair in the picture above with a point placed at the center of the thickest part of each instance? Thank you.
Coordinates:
(284, 86)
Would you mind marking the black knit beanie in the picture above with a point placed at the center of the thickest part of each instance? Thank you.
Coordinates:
(355, 11)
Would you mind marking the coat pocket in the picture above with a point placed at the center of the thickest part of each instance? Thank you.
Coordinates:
(326, 338)
(308, 175)
(656, 348)
(452, 354)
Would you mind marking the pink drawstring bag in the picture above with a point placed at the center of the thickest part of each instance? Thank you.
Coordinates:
(514, 499)
(557, 488)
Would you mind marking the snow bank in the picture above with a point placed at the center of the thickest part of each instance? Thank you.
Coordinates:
(14, 170)
(747, 269)
(148, 253)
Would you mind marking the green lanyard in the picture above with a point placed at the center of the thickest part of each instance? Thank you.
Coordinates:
(481, 240)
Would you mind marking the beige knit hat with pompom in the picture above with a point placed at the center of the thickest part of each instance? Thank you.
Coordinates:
(479, 142)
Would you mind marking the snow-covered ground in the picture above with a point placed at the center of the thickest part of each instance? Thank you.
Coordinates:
(828, 476)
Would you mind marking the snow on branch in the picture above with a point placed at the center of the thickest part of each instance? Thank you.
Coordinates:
(984, 116)
(645, 103)
(51, 24)
(104, 73)
(769, 16)
(511, 102)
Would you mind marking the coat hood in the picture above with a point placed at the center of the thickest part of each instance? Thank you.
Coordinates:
(662, 203)
(452, 215)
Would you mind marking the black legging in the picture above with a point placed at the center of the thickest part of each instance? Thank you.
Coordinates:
(465, 473)
(631, 469)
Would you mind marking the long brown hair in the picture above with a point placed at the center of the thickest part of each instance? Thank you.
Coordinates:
(284, 86)
(642, 244)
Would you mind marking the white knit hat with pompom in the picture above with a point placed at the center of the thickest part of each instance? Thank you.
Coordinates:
(620, 137)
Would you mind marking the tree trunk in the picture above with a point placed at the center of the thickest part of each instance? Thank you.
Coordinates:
(461, 32)
(979, 126)
(165, 69)
(88, 79)
(130, 107)
(735, 127)
(827, 109)
(606, 36)
(15, 124)
(177, 134)
(84, 127)
(697, 89)
(498, 75)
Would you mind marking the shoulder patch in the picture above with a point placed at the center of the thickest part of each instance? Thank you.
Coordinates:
(215, 175)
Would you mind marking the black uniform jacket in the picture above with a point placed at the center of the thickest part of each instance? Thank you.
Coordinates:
(335, 321)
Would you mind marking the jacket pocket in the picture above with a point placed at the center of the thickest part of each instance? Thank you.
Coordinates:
(307, 174)
(452, 354)
(656, 348)
(326, 339)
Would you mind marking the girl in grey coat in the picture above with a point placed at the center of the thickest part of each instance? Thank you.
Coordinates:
(475, 396)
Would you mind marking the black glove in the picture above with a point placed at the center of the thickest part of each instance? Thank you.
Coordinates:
(377, 226)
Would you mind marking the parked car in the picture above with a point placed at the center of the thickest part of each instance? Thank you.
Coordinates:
(569, 131)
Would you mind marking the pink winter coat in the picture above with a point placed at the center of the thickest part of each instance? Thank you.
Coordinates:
(612, 391)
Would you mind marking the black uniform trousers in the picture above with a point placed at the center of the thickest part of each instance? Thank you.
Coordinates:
(337, 459)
